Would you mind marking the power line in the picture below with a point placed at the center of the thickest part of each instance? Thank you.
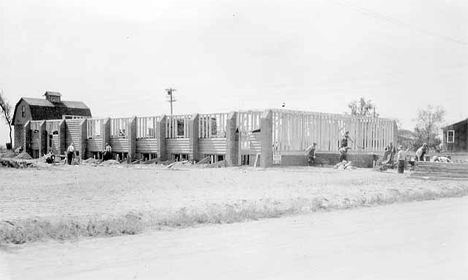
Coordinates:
(398, 22)
(170, 96)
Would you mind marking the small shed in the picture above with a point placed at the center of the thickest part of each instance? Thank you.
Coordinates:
(52, 107)
(455, 137)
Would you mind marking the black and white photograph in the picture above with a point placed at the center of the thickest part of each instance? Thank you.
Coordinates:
(234, 139)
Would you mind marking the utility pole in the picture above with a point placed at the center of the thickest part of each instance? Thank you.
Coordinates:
(170, 96)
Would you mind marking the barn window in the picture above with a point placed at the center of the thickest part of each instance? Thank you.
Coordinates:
(23, 111)
(450, 136)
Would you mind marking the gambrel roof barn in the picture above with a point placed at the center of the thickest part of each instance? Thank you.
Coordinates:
(50, 108)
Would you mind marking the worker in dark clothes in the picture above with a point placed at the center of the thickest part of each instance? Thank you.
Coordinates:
(344, 141)
(344, 153)
(107, 155)
(311, 154)
(343, 150)
(389, 153)
(50, 157)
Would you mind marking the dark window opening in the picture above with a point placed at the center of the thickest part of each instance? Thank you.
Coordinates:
(180, 128)
(245, 160)
(180, 157)
(450, 136)
(149, 156)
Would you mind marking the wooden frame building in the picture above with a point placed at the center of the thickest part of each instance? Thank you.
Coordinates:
(455, 137)
(44, 119)
(266, 138)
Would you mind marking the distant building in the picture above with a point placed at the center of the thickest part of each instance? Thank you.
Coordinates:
(455, 137)
(49, 108)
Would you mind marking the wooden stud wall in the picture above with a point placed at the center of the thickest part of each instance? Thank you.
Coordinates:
(146, 127)
(212, 125)
(172, 126)
(119, 127)
(296, 131)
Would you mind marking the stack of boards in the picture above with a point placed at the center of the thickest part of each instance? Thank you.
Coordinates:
(439, 170)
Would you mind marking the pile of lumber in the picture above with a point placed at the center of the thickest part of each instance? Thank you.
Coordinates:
(439, 170)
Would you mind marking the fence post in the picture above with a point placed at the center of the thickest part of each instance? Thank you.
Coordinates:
(132, 134)
(231, 143)
(193, 137)
(161, 135)
(266, 132)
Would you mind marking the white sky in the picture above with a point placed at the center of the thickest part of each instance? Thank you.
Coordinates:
(223, 55)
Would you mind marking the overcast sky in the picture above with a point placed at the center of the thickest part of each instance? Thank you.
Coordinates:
(222, 55)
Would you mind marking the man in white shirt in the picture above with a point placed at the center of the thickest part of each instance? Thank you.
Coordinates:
(70, 153)
(401, 158)
(421, 152)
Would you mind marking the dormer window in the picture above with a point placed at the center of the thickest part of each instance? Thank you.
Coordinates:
(53, 97)
(23, 111)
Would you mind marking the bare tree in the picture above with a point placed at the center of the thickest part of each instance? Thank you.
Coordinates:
(362, 107)
(428, 124)
(7, 114)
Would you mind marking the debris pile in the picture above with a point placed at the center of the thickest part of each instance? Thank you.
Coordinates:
(110, 162)
(23, 155)
(344, 165)
(8, 154)
(179, 164)
(13, 163)
(91, 161)
(218, 164)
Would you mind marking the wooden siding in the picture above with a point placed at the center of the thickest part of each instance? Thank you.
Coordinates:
(35, 139)
(95, 145)
(177, 146)
(73, 134)
(460, 137)
(35, 125)
(147, 145)
(248, 121)
(52, 126)
(119, 145)
(55, 144)
(212, 146)
(255, 143)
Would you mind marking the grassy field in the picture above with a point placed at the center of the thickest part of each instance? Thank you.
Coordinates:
(68, 202)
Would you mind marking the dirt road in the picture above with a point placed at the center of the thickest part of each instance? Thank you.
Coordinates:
(421, 240)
